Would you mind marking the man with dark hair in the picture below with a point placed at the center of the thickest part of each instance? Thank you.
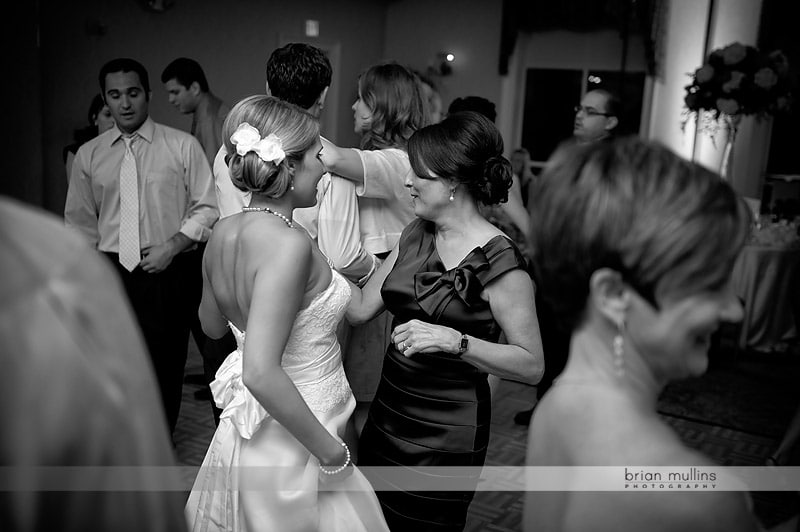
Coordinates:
(299, 73)
(597, 116)
(188, 91)
(142, 193)
(474, 103)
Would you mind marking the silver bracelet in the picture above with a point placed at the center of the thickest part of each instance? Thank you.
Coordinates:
(341, 467)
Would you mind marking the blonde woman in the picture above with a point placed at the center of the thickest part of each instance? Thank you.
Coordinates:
(284, 395)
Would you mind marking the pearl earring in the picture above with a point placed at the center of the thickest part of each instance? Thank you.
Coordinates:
(452, 194)
(291, 185)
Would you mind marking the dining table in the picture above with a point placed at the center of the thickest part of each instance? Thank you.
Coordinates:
(765, 277)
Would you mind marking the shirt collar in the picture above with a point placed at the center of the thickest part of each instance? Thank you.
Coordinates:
(146, 131)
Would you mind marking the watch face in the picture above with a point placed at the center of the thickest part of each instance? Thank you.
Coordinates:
(464, 344)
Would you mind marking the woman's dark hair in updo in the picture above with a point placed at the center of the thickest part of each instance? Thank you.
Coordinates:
(297, 129)
(466, 148)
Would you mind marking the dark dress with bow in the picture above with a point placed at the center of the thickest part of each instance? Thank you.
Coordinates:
(433, 409)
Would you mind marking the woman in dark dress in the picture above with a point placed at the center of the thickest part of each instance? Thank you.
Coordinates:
(455, 284)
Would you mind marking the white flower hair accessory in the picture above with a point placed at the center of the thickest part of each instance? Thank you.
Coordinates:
(246, 138)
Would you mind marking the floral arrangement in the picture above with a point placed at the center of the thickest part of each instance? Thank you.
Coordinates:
(781, 233)
(738, 80)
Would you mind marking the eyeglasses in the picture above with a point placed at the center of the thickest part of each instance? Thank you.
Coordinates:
(589, 111)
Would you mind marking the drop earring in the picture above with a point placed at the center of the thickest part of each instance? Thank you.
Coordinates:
(618, 346)
(291, 185)
(452, 194)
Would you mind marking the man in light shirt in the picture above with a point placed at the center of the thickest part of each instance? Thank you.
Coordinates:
(175, 211)
(301, 74)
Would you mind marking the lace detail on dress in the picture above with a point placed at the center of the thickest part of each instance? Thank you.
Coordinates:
(312, 359)
(327, 394)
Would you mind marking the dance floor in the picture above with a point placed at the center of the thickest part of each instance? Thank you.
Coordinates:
(502, 511)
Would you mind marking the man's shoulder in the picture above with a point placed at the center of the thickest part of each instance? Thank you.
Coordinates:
(220, 166)
(96, 146)
(223, 109)
(177, 140)
(103, 140)
(170, 132)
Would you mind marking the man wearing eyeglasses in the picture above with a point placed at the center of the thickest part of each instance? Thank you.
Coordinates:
(595, 121)
(596, 116)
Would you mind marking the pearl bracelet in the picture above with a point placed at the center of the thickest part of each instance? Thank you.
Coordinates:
(341, 467)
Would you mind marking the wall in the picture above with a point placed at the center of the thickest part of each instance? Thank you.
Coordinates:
(416, 30)
(738, 20)
(231, 40)
(685, 40)
(693, 30)
(21, 164)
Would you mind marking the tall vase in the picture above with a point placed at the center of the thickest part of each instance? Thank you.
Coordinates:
(731, 126)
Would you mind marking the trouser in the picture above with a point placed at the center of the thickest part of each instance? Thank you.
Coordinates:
(165, 305)
(214, 354)
(555, 344)
(213, 351)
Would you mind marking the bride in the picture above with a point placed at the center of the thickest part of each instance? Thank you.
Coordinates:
(277, 460)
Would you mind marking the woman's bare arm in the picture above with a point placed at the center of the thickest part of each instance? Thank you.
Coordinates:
(511, 299)
(367, 302)
(278, 290)
(344, 162)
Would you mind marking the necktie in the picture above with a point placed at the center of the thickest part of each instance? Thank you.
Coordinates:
(129, 250)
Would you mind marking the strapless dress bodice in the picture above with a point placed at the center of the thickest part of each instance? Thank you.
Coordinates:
(312, 358)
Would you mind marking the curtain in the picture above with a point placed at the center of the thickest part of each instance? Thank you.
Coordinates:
(626, 16)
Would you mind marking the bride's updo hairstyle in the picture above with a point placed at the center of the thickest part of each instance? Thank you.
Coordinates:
(467, 149)
(296, 129)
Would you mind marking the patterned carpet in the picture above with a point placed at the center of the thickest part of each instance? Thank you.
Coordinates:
(756, 393)
(736, 440)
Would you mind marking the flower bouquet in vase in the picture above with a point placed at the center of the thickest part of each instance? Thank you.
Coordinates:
(735, 81)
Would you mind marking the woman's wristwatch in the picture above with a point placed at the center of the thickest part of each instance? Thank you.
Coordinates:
(463, 345)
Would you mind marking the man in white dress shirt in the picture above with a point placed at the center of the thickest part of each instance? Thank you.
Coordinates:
(301, 74)
(142, 193)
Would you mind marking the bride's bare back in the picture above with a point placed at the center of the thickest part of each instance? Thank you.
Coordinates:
(250, 245)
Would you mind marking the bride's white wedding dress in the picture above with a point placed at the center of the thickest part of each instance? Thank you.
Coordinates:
(256, 476)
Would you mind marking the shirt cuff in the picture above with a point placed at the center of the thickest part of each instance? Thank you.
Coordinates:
(376, 263)
(361, 188)
(195, 231)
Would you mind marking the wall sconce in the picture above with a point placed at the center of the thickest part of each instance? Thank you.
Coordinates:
(156, 6)
(443, 64)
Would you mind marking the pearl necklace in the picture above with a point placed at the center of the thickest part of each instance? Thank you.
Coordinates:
(286, 220)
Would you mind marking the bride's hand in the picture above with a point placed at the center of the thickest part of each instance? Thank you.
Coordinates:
(338, 467)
